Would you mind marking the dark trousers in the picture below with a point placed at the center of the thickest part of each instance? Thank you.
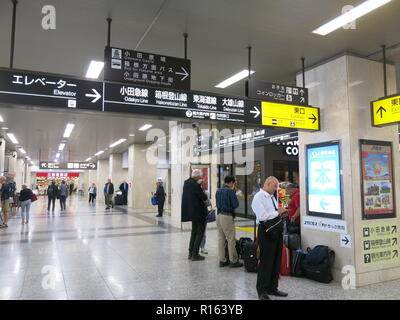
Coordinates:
(198, 229)
(62, 202)
(92, 197)
(51, 199)
(125, 198)
(270, 256)
(160, 203)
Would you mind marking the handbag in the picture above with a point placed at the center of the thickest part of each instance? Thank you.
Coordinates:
(154, 200)
(293, 227)
(33, 197)
(211, 216)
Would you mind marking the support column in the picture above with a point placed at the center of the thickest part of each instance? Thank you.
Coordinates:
(2, 154)
(19, 173)
(116, 172)
(102, 177)
(12, 163)
(343, 88)
(143, 176)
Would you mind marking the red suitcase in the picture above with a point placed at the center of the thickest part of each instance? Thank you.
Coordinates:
(285, 262)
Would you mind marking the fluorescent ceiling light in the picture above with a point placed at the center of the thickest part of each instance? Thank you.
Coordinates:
(1, 118)
(349, 16)
(68, 130)
(132, 135)
(12, 138)
(58, 155)
(99, 153)
(4, 128)
(145, 127)
(56, 160)
(61, 147)
(117, 143)
(88, 159)
(22, 150)
(235, 78)
(94, 69)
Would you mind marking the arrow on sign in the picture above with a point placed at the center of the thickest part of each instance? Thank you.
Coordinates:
(394, 241)
(302, 92)
(44, 165)
(323, 204)
(256, 111)
(381, 110)
(185, 74)
(394, 229)
(345, 240)
(395, 253)
(96, 95)
(92, 165)
(314, 118)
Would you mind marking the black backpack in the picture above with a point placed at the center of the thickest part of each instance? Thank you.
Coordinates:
(320, 254)
(317, 264)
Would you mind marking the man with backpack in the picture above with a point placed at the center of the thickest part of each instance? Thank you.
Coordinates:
(52, 192)
(5, 192)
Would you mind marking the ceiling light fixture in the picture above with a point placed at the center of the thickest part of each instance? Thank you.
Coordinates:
(12, 138)
(355, 13)
(22, 150)
(68, 130)
(235, 78)
(94, 70)
(1, 118)
(145, 127)
(58, 155)
(4, 128)
(88, 159)
(99, 153)
(117, 143)
(132, 135)
(61, 147)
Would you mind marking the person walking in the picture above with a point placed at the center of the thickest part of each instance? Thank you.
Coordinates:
(270, 230)
(160, 196)
(124, 187)
(109, 192)
(294, 204)
(92, 193)
(208, 205)
(25, 197)
(194, 210)
(52, 192)
(5, 199)
(227, 202)
(63, 193)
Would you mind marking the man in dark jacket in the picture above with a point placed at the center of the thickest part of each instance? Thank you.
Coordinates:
(109, 191)
(52, 192)
(160, 196)
(124, 189)
(194, 209)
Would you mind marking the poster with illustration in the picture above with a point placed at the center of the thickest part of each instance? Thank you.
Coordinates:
(377, 179)
(206, 175)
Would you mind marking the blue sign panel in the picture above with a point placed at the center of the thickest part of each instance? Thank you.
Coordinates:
(324, 188)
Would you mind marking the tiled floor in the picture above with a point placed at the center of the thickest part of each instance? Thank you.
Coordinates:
(90, 253)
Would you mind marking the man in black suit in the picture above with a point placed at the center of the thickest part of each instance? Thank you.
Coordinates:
(109, 191)
(160, 196)
(195, 210)
(124, 189)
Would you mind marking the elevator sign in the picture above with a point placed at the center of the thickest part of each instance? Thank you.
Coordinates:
(386, 111)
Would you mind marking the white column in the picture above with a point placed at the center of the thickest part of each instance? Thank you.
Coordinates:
(102, 177)
(2, 154)
(116, 172)
(19, 173)
(12, 163)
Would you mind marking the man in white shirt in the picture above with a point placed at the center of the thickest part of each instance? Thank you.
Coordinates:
(270, 239)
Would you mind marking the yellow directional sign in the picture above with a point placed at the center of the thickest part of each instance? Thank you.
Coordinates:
(386, 111)
(290, 116)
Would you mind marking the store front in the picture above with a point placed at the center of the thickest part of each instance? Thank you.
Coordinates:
(44, 179)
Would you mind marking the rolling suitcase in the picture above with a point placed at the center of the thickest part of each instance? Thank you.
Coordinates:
(119, 200)
(285, 261)
(250, 253)
(297, 261)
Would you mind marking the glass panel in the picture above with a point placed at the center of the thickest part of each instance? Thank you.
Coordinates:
(223, 171)
(253, 186)
(240, 192)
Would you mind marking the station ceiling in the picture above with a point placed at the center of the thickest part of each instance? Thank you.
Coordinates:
(280, 33)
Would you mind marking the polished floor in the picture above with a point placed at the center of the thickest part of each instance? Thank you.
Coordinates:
(88, 252)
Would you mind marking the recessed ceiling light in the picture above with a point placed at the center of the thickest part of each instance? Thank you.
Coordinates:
(1, 118)
(132, 135)
(22, 150)
(4, 128)
(88, 159)
(99, 153)
(68, 130)
(145, 127)
(61, 147)
(58, 155)
(94, 70)
(235, 78)
(117, 143)
(355, 13)
(56, 160)
(12, 138)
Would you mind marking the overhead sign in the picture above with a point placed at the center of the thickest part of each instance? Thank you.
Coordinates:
(50, 91)
(274, 92)
(322, 224)
(324, 185)
(68, 165)
(385, 111)
(290, 116)
(345, 240)
(380, 244)
(147, 69)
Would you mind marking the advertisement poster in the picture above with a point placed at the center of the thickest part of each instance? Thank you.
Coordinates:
(206, 175)
(380, 244)
(377, 179)
(324, 183)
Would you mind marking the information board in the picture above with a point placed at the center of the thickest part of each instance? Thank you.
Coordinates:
(324, 180)
(385, 111)
(377, 198)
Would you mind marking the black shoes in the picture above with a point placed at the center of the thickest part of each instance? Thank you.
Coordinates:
(223, 264)
(236, 265)
(278, 293)
(189, 257)
(158, 216)
(197, 258)
(263, 297)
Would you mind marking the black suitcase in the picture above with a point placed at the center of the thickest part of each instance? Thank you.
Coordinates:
(293, 241)
(250, 256)
(297, 261)
(227, 250)
(321, 272)
(119, 200)
(239, 245)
